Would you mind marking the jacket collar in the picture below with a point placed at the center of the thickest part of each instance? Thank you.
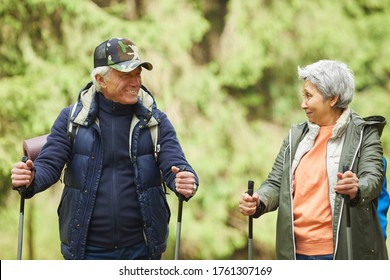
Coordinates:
(338, 129)
(86, 109)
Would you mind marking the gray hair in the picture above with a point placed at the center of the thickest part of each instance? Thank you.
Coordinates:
(103, 71)
(332, 78)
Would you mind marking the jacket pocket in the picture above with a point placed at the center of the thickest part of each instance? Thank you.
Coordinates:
(160, 214)
(66, 211)
(148, 171)
(76, 172)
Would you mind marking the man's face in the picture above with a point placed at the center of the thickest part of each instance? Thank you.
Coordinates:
(122, 87)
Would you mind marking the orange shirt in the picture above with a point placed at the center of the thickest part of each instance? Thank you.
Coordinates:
(312, 211)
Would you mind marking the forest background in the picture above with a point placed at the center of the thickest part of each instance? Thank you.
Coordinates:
(225, 72)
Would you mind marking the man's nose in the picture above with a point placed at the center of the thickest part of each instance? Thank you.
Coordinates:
(134, 81)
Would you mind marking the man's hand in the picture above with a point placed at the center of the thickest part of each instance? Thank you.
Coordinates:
(22, 174)
(185, 182)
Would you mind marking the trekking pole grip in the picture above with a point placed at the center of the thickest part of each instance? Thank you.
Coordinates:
(347, 201)
(250, 187)
(22, 189)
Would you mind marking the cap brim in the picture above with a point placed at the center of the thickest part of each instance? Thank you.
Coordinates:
(128, 66)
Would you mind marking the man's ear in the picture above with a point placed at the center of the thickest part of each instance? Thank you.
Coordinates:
(100, 80)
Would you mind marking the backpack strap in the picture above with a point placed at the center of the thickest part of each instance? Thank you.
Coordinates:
(72, 127)
(154, 132)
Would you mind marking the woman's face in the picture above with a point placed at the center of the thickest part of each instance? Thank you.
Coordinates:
(318, 110)
(122, 87)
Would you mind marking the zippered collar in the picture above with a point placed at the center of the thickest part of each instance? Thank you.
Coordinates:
(86, 109)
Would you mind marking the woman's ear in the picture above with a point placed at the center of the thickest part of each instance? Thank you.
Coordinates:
(333, 100)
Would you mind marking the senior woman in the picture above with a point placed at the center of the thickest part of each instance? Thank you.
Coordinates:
(333, 156)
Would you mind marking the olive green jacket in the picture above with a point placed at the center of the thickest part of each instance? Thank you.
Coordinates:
(357, 146)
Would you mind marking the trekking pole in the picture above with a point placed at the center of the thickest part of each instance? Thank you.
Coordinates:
(22, 192)
(179, 217)
(178, 228)
(347, 209)
(250, 226)
(31, 149)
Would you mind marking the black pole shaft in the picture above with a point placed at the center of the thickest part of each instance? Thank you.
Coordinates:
(347, 207)
(250, 225)
(178, 228)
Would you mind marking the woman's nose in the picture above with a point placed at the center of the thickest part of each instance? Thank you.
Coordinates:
(303, 104)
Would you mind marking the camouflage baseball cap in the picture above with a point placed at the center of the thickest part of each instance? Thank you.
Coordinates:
(120, 54)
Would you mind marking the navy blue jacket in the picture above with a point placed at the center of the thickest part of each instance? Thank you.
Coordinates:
(84, 166)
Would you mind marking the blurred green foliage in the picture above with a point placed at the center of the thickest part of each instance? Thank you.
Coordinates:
(224, 72)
